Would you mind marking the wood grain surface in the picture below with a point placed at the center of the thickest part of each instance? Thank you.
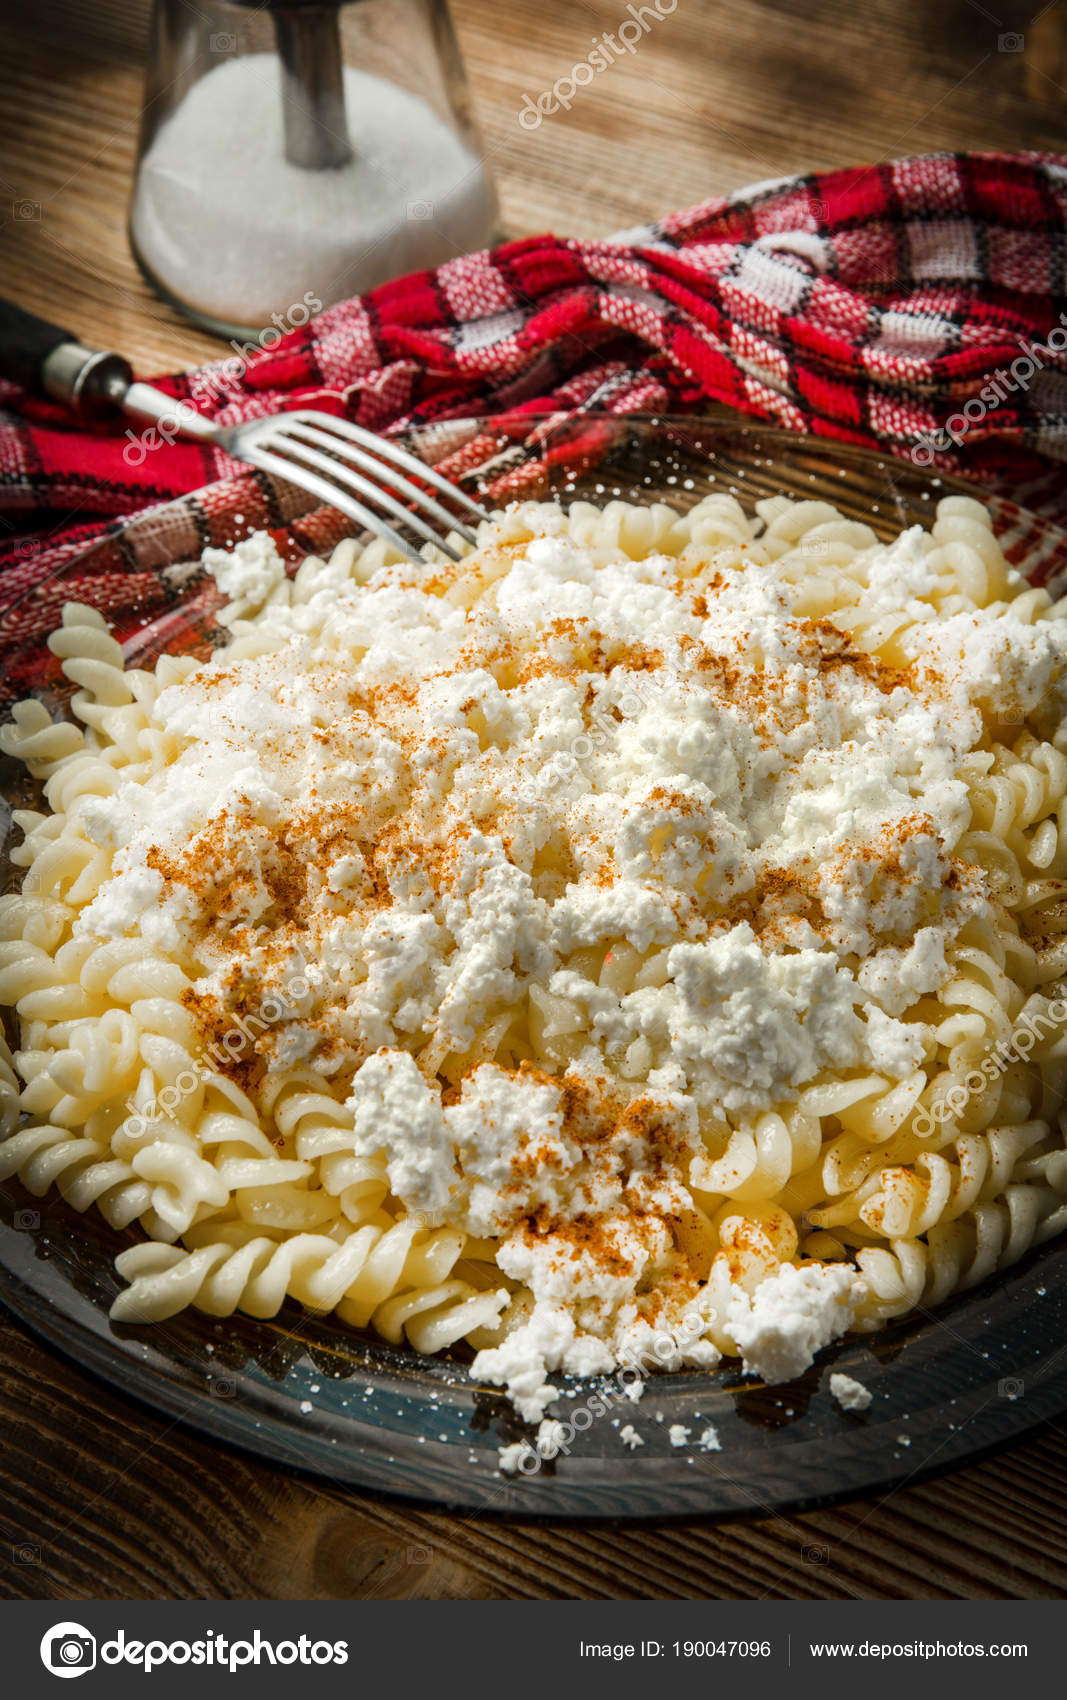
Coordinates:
(717, 96)
(100, 1498)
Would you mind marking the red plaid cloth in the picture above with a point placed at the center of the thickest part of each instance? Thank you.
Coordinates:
(868, 305)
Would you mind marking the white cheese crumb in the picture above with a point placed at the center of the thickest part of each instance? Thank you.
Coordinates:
(550, 1434)
(630, 1437)
(709, 1439)
(850, 1394)
(633, 1390)
(249, 572)
(678, 1434)
(508, 1457)
(792, 1315)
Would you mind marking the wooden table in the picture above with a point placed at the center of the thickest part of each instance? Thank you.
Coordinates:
(101, 1499)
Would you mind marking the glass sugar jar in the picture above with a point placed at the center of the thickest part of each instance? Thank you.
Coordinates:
(296, 153)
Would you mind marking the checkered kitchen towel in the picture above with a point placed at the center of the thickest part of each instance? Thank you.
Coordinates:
(917, 306)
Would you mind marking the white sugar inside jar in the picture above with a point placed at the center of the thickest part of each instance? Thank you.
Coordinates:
(286, 165)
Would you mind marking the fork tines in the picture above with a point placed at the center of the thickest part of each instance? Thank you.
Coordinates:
(329, 457)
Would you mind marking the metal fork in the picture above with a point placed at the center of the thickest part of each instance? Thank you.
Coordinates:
(328, 457)
(367, 478)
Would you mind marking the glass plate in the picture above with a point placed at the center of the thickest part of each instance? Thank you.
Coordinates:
(304, 1391)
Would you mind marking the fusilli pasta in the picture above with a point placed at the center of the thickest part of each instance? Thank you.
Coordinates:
(387, 1057)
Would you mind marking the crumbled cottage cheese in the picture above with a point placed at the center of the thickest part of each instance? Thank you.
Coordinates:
(510, 1457)
(1006, 666)
(791, 1316)
(678, 1434)
(584, 864)
(247, 574)
(850, 1394)
(630, 1437)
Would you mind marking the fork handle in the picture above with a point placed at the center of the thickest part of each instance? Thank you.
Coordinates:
(42, 357)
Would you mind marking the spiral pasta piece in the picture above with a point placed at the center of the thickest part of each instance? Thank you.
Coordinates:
(357, 1275)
